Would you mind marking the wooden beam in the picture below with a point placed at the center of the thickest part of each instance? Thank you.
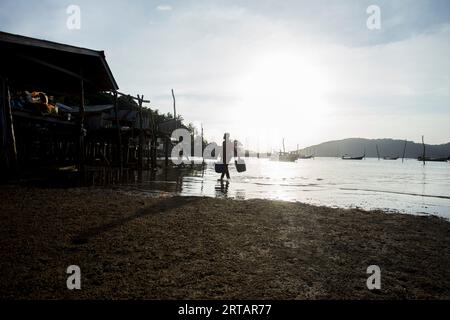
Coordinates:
(134, 98)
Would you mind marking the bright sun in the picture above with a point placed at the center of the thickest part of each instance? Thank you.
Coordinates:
(283, 90)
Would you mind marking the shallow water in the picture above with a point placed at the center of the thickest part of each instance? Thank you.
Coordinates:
(389, 185)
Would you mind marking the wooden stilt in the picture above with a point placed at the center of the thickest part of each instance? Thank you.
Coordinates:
(3, 132)
(166, 151)
(12, 161)
(119, 135)
(153, 142)
(82, 133)
(154, 152)
(141, 137)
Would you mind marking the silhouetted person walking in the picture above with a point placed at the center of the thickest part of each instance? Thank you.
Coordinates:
(227, 154)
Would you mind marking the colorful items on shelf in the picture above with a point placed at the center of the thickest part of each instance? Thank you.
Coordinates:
(36, 102)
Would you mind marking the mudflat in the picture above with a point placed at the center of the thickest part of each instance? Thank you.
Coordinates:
(132, 246)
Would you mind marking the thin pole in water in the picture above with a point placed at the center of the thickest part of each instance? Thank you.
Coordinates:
(423, 153)
(404, 150)
(203, 156)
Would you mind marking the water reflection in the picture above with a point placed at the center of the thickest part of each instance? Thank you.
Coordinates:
(369, 184)
(222, 188)
(240, 194)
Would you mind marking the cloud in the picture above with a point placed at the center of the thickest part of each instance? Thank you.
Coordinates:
(164, 7)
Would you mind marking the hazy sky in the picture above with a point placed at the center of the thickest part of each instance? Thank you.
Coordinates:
(308, 71)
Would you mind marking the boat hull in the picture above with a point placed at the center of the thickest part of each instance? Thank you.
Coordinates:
(434, 159)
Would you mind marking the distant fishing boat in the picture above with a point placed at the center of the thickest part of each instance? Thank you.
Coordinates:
(305, 157)
(284, 156)
(386, 157)
(301, 156)
(434, 159)
(346, 157)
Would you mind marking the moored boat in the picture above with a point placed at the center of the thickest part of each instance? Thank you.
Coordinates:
(346, 157)
(434, 159)
(305, 157)
(284, 156)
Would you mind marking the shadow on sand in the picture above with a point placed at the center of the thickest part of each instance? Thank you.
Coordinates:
(162, 206)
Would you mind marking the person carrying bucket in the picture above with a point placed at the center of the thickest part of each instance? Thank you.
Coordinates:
(227, 154)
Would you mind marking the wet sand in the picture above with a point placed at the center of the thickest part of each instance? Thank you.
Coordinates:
(130, 246)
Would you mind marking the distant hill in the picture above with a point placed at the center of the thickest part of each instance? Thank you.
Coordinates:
(387, 147)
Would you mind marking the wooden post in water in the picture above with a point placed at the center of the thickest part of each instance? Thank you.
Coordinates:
(423, 153)
(404, 150)
(203, 156)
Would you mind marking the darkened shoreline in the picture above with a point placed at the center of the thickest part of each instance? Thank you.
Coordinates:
(204, 248)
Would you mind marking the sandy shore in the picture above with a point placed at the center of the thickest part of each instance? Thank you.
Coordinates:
(202, 248)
